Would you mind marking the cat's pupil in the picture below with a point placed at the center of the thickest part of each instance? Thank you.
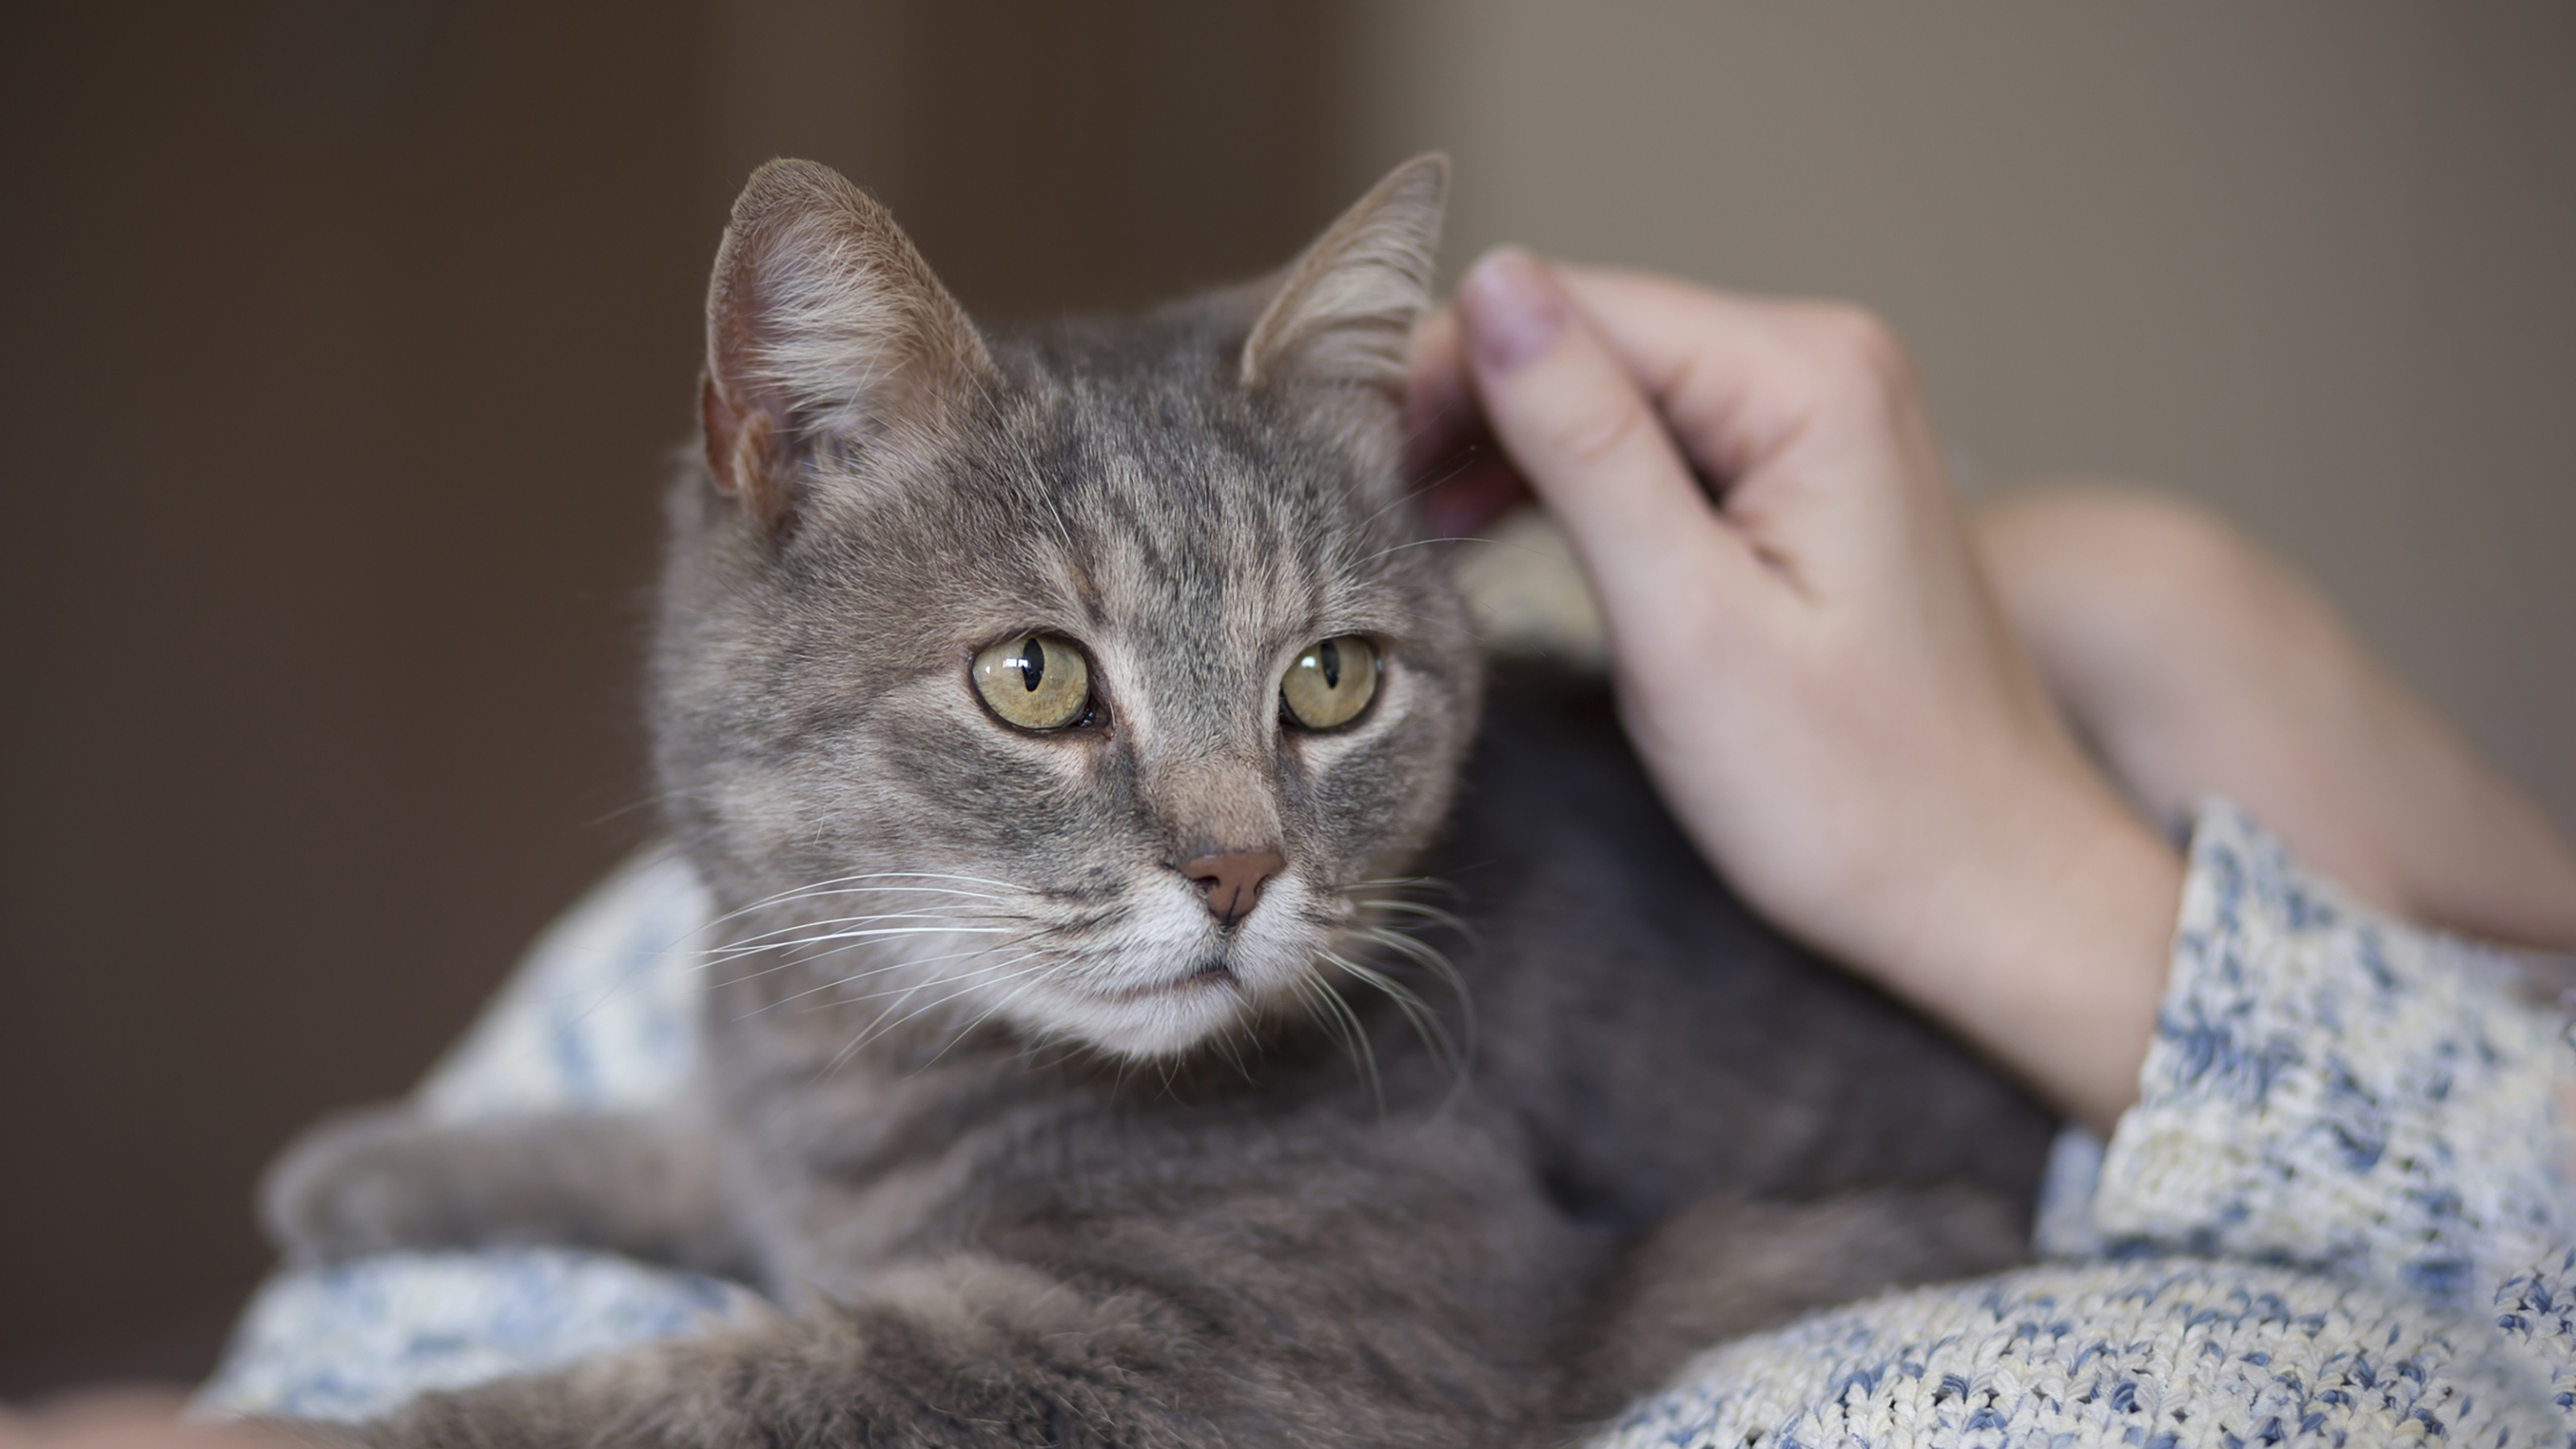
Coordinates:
(1330, 658)
(1032, 664)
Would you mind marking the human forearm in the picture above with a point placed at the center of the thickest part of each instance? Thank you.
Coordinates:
(2053, 958)
(2201, 665)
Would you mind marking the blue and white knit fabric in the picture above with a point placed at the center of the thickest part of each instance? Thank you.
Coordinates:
(2332, 1218)
(601, 1014)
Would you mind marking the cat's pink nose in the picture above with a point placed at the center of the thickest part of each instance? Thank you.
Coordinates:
(1232, 879)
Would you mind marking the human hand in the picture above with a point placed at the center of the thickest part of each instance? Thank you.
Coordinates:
(1808, 660)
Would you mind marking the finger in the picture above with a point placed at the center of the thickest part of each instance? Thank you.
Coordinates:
(1590, 442)
(1805, 414)
(1742, 377)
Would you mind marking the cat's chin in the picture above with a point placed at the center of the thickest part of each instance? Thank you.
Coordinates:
(1155, 1021)
(1176, 982)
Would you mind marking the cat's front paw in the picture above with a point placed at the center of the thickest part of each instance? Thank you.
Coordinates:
(363, 1182)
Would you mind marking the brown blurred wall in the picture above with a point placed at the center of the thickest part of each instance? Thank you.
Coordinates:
(348, 339)
(345, 342)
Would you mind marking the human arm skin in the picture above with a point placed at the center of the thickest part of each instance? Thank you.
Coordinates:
(2199, 664)
(128, 1419)
(1808, 658)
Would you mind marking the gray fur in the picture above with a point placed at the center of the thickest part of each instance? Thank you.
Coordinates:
(1061, 1157)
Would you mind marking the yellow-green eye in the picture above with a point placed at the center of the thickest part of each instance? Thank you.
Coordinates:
(1330, 682)
(1038, 682)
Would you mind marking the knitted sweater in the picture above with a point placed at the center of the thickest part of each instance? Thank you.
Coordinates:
(2332, 1217)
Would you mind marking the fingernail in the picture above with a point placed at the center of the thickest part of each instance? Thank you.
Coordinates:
(1511, 310)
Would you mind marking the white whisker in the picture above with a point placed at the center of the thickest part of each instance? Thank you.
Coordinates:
(881, 1025)
(1346, 1025)
(1425, 1023)
(857, 976)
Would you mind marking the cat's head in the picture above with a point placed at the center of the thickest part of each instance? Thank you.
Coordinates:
(1085, 680)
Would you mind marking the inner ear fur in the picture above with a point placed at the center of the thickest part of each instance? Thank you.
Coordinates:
(822, 322)
(1346, 312)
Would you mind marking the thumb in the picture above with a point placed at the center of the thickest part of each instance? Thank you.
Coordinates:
(1582, 431)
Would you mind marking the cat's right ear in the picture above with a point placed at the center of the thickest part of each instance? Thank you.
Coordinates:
(823, 325)
(1344, 314)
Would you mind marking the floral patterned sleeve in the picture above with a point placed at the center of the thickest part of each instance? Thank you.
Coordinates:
(2332, 1090)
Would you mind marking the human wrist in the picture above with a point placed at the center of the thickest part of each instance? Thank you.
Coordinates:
(2058, 946)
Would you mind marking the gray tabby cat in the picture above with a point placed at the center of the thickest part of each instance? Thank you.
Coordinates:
(1062, 716)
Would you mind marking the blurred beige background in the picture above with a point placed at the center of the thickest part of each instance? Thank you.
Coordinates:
(351, 335)
(2312, 262)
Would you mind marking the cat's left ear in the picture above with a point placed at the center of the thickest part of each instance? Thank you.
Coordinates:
(824, 327)
(1345, 314)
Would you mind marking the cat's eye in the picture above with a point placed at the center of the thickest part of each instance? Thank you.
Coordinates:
(1037, 681)
(1331, 682)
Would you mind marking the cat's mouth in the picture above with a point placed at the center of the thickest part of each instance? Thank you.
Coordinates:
(1175, 981)
(1210, 973)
